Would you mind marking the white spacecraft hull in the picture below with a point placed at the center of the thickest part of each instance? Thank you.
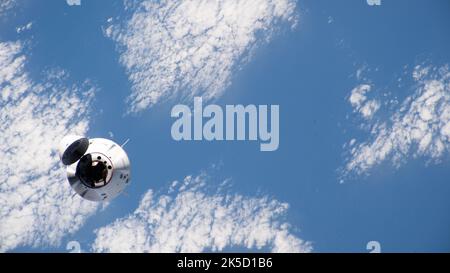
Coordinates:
(101, 172)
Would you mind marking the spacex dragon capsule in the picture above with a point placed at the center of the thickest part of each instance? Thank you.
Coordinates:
(98, 169)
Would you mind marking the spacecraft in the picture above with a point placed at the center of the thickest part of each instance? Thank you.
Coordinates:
(98, 169)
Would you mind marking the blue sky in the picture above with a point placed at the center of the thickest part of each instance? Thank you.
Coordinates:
(364, 124)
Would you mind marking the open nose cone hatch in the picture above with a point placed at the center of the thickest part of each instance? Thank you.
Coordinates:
(72, 148)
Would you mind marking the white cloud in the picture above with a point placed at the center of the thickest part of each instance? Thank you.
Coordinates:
(36, 203)
(73, 2)
(189, 218)
(358, 95)
(358, 99)
(420, 126)
(6, 5)
(191, 47)
(24, 28)
(330, 19)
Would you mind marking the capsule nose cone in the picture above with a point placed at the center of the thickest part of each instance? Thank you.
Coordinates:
(72, 148)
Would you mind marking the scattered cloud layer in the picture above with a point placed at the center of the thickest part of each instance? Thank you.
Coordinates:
(37, 207)
(418, 127)
(189, 218)
(191, 47)
(24, 28)
(358, 99)
(5, 6)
